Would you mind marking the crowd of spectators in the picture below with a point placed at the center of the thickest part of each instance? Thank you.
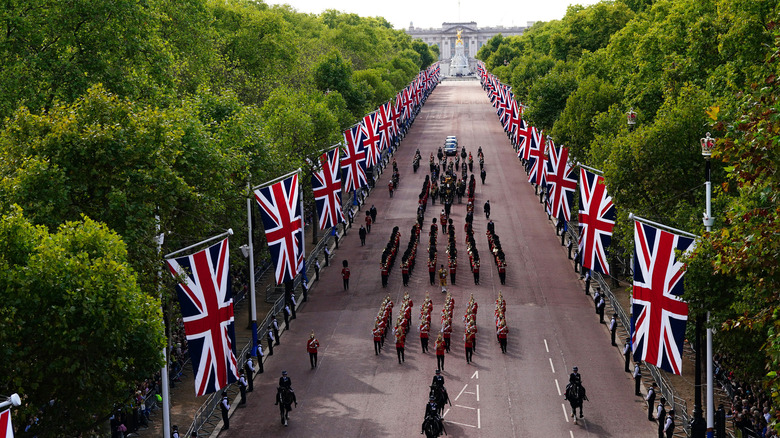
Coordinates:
(750, 410)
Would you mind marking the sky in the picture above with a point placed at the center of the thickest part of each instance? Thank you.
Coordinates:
(432, 13)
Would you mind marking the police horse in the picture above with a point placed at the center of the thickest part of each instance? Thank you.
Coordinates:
(575, 394)
(285, 397)
(433, 426)
(441, 397)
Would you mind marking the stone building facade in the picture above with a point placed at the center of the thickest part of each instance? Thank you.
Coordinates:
(473, 36)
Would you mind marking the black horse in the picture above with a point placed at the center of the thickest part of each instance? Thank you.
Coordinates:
(575, 394)
(441, 397)
(285, 397)
(433, 426)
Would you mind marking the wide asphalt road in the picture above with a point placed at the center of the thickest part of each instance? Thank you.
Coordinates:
(354, 393)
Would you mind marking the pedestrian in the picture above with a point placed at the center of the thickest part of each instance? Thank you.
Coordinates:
(311, 346)
(440, 347)
(482, 174)
(637, 379)
(249, 370)
(224, 406)
(286, 313)
(376, 332)
(316, 269)
(260, 358)
(650, 399)
(613, 328)
(475, 270)
(390, 188)
(368, 221)
(327, 254)
(486, 208)
(175, 432)
(469, 344)
(587, 280)
(669, 426)
(600, 306)
(362, 233)
(345, 274)
(596, 297)
(443, 279)
(373, 213)
(304, 289)
(661, 416)
(491, 227)
(627, 354)
(275, 326)
(271, 339)
(242, 387)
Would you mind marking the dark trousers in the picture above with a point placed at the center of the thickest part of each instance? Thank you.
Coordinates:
(346, 284)
(476, 278)
(452, 277)
(377, 347)
(469, 353)
(440, 361)
(650, 404)
(286, 321)
(600, 311)
(250, 378)
(313, 359)
(276, 336)
(433, 277)
(424, 344)
(502, 342)
(270, 347)
(502, 277)
(612, 334)
(447, 344)
(406, 279)
(225, 418)
(242, 388)
(627, 357)
(362, 240)
(384, 280)
(400, 352)
(316, 274)
(587, 284)
(637, 384)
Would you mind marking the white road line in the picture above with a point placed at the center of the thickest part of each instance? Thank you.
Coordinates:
(461, 392)
(558, 386)
(468, 392)
(475, 375)
(465, 407)
(571, 434)
(478, 393)
(479, 420)
(445, 413)
(545, 346)
(551, 365)
(461, 424)
(565, 414)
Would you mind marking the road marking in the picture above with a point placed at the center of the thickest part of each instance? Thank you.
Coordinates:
(545, 346)
(479, 420)
(565, 414)
(477, 393)
(461, 392)
(445, 413)
(558, 386)
(461, 424)
(466, 407)
(551, 365)
(571, 434)
(475, 375)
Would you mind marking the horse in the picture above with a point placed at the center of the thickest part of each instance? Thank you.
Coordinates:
(441, 397)
(433, 426)
(285, 397)
(575, 394)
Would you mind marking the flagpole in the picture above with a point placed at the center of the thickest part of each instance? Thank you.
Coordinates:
(14, 400)
(252, 298)
(674, 230)
(166, 397)
(268, 183)
(229, 232)
(600, 172)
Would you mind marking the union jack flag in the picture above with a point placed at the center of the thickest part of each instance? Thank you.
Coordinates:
(280, 209)
(561, 183)
(5, 424)
(326, 184)
(386, 124)
(353, 163)
(660, 315)
(537, 159)
(207, 310)
(515, 116)
(597, 218)
(372, 139)
(523, 139)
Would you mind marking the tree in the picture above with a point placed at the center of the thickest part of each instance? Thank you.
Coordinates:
(77, 328)
(333, 73)
(426, 56)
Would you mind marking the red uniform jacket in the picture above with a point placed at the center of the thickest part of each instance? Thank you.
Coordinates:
(312, 345)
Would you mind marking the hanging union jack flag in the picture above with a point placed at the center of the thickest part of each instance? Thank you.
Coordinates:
(537, 160)
(326, 184)
(523, 139)
(207, 310)
(561, 183)
(597, 218)
(372, 139)
(353, 163)
(660, 315)
(6, 430)
(280, 209)
(386, 124)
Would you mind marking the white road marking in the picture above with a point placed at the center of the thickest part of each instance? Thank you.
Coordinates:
(461, 392)
(551, 365)
(475, 375)
(565, 414)
(558, 386)
(465, 407)
(477, 393)
(468, 392)
(479, 420)
(445, 413)
(545, 346)
(571, 434)
(461, 424)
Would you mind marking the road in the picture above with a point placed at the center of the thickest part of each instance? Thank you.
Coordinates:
(355, 393)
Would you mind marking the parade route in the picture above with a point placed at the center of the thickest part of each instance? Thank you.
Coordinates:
(552, 325)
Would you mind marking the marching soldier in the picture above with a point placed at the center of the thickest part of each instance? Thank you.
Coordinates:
(432, 271)
(469, 343)
(405, 273)
(443, 221)
(502, 332)
(453, 266)
(400, 340)
(311, 346)
(440, 347)
(377, 334)
(475, 270)
(446, 330)
(443, 279)
(502, 271)
(425, 328)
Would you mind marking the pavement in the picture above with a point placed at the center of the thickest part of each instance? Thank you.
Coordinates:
(355, 393)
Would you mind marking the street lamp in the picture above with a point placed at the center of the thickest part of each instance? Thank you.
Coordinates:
(707, 144)
(631, 119)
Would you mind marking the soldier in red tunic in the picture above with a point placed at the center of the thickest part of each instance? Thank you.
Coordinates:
(440, 346)
(311, 346)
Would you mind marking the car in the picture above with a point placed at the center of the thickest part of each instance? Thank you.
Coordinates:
(451, 145)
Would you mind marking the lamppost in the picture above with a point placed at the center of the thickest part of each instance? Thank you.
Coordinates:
(12, 400)
(707, 144)
(631, 119)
